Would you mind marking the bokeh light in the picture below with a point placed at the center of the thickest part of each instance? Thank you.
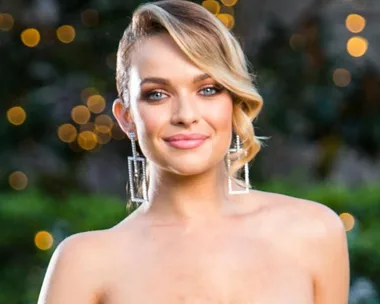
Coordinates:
(103, 123)
(6, 22)
(229, 2)
(80, 114)
(43, 240)
(96, 103)
(67, 133)
(66, 33)
(341, 77)
(18, 180)
(89, 126)
(16, 116)
(87, 92)
(227, 10)
(87, 140)
(212, 6)
(90, 17)
(355, 23)
(227, 19)
(30, 37)
(348, 220)
(103, 138)
(357, 46)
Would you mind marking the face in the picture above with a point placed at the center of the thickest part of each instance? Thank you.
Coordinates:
(169, 95)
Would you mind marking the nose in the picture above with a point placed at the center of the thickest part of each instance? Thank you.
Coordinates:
(185, 111)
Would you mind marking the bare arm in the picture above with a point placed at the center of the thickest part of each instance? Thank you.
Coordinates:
(73, 273)
(331, 260)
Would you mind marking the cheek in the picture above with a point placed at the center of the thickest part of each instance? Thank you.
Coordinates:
(220, 115)
(151, 120)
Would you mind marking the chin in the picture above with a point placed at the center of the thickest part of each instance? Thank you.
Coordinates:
(190, 165)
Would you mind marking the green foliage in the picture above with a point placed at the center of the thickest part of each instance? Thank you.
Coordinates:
(23, 214)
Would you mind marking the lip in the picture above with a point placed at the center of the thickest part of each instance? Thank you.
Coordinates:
(186, 141)
(186, 144)
(183, 137)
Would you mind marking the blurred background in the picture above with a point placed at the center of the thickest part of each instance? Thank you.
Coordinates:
(63, 159)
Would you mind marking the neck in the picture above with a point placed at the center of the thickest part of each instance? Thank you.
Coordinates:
(188, 199)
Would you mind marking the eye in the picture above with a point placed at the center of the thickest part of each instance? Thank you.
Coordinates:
(211, 90)
(154, 95)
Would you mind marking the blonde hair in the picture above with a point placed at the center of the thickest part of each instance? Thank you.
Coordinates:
(210, 46)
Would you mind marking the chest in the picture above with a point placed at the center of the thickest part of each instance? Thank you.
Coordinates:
(219, 268)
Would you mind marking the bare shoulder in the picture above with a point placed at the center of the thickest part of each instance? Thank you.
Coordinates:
(301, 216)
(77, 268)
(314, 235)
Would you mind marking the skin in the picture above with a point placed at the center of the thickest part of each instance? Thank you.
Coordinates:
(194, 243)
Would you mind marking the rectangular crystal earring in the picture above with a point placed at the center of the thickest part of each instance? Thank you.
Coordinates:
(237, 148)
(134, 174)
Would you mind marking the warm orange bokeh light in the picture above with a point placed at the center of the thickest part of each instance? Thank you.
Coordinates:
(357, 46)
(103, 138)
(16, 116)
(6, 22)
(18, 180)
(96, 103)
(87, 140)
(66, 33)
(348, 221)
(103, 124)
(227, 19)
(229, 2)
(341, 77)
(355, 23)
(43, 240)
(67, 133)
(212, 6)
(87, 92)
(30, 37)
(88, 126)
(80, 114)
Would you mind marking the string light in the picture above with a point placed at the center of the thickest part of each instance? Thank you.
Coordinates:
(355, 23)
(43, 240)
(348, 220)
(67, 133)
(229, 2)
(6, 22)
(66, 33)
(30, 37)
(16, 116)
(227, 19)
(80, 114)
(212, 6)
(357, 46)
(341, 77)
(18, 180)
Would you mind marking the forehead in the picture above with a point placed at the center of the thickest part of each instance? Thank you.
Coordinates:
(159, 55)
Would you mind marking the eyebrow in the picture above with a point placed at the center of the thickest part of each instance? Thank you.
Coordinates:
(164, 81)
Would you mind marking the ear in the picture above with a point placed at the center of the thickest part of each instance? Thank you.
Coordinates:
(123, 117)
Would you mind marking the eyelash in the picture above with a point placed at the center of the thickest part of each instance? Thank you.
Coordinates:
(217, 89)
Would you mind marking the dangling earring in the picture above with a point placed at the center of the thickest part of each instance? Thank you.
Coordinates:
(133, 173)
(237, 149)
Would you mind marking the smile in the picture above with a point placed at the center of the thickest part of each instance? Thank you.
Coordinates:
(186, 143)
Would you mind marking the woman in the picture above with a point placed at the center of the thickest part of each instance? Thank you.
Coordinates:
(200, 235)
